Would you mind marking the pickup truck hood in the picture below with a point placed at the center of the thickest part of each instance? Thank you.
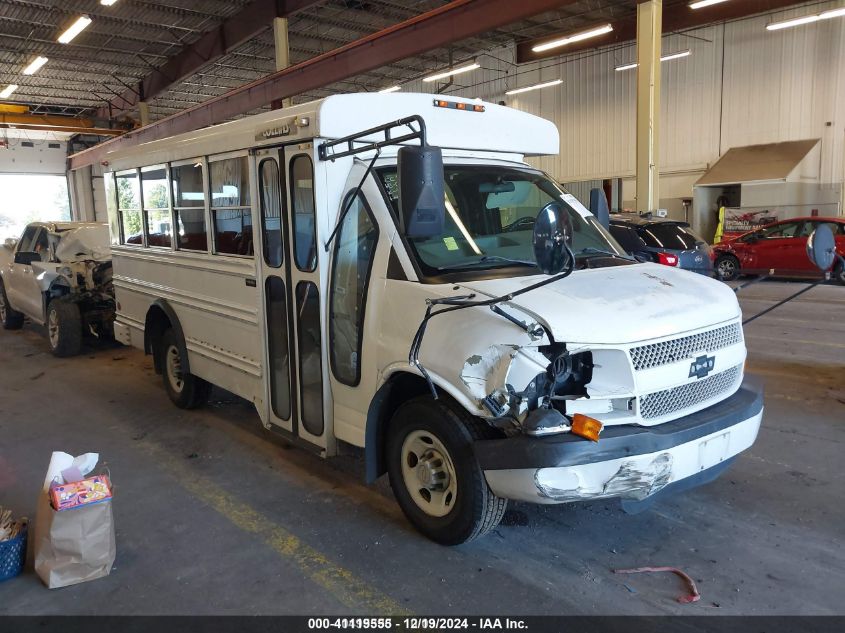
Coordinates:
(620, 304)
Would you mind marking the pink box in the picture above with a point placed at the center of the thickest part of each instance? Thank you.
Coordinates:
(80, 493)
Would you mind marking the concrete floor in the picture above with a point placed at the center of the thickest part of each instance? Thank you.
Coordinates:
(215, 516)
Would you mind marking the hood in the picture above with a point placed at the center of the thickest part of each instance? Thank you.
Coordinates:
(619, 304)
(84, 242)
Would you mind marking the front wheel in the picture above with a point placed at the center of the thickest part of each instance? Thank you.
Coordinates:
(434, 474)
(64, 328)
(185, 390)
(727, 267)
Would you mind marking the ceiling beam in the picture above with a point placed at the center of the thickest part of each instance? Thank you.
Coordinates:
(434, 29)
(53, 123)
(233, 32)
(676, 18)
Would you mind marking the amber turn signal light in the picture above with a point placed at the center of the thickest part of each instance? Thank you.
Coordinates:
(586, 427)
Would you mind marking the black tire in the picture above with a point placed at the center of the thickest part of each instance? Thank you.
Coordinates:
(726, 267)
(838, 275)
(64, 328)
(10, 318)
(474, 510)
(185, 390)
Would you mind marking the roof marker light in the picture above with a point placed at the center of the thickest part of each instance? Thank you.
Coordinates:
(457, 105)
(569, 39)
(74, 29)
(452, 71)
(546, 84)
(35, 65)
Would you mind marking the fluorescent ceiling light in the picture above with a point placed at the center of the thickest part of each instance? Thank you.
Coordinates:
(75, 29)
(807, 19)
(601, 30)
(534, 87)
(107, 3)
(665, 58)
(704, 3)
(452, 71)
(8, 90)
(33, 67)
(391, 89)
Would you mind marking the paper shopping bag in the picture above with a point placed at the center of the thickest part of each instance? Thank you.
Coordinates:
(75, 545)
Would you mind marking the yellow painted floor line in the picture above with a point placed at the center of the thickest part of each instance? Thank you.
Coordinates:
(342, 584)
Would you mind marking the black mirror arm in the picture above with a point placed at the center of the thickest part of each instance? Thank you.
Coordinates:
(459, 303)
(349, 200)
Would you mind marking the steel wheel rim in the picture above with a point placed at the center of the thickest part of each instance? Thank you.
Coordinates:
(429, 474)
(53, 328)
(174, 369)
(726, 267)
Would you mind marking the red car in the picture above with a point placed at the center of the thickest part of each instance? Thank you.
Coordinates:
(781, 246)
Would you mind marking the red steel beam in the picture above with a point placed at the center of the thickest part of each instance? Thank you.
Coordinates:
(676, 17)
(236, 30)
(434, 29)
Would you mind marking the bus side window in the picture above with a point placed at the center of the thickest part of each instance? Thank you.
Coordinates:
(189, 206)
(129, 207)
(230, 206)
(355, 247)
(111, 207)
(156, 206)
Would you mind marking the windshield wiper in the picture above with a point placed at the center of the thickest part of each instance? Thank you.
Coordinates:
(490, 258)
(591, 251)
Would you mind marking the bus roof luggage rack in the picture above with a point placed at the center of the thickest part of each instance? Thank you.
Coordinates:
(349, 141)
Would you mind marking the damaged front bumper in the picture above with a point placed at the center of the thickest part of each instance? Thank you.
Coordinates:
(633, 463)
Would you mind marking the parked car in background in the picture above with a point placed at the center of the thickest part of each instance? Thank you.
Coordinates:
(59, 274)
(668, 242)
(781, 246)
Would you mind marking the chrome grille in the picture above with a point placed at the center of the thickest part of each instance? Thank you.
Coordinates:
(665, 352)
(660, 403)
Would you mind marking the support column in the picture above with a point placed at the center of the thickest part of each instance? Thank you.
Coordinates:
(82, 195)
(280, 37)
(649, 31)
(144, 111)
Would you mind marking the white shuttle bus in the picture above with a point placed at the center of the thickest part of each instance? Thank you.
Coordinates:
(387, 272)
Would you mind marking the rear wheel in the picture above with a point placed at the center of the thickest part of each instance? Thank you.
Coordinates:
(727, 267)
(64, 328)
(10, 318)
(839, 273)
(185, 390)
(434, 474)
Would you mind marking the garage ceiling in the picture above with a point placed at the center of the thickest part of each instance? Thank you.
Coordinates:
(132, 38)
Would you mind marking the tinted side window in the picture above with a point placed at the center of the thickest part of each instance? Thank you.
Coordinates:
(302, 197)
(355, 247)
(25, 244)
(668, 235)
(627, 237)
(789, 229)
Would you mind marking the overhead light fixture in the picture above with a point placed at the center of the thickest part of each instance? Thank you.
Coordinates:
(807, 19)
(665, 58)
(8, 90)
(391, 89)
(545, 84)
(452, 71)
(75, 29)
(569, 39)
(107, 3)
(705, 3)
(34, 65)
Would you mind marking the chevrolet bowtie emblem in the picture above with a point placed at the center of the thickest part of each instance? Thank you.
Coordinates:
(702, 366)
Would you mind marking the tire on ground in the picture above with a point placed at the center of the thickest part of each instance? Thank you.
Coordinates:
(475, 510)
(11, 319)
(185, 390)
(64, 327)
(729, 262)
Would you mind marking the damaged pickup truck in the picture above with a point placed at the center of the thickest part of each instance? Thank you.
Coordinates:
(59, 274)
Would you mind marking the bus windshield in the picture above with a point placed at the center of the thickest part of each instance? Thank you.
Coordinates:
(490, 213)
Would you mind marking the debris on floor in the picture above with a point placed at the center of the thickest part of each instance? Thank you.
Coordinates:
(692, 596)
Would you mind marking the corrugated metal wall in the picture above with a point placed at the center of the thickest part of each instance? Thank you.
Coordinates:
(776, 85)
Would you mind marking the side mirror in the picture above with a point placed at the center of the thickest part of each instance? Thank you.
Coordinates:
(821, 248)
(26, 257)
(552, 239)
(599, 208)
(421, 190)
(10, 243)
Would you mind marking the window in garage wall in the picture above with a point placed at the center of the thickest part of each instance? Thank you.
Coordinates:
(26, 198)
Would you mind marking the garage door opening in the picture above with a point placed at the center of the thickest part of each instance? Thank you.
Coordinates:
(26, 198)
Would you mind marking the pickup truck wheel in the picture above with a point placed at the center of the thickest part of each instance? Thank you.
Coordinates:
(64, 328)
(727, 267)
(185, 390)
(11, 319)
(434, 474)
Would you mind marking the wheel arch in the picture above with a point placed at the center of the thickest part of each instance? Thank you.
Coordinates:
(161, 316)
(400, 386)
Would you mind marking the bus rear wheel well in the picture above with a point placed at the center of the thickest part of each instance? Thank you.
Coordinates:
(160, 318)
(399, 388)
